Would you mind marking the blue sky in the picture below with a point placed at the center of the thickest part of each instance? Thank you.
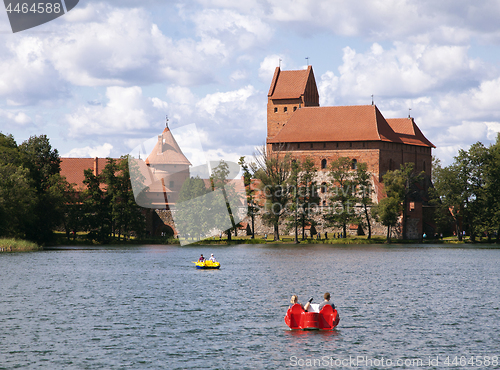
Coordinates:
(101, 79)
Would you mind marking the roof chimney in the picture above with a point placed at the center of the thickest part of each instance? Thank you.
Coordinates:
(96, 166)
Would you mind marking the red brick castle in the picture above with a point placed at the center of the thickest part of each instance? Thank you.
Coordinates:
(297, 124)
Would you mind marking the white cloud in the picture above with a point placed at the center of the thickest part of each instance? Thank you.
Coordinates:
(26, 74)
(101, 151)
(15, 118)
(223, 103)
(243, 31)
(268, 66)
(127, 112)
(402, 71)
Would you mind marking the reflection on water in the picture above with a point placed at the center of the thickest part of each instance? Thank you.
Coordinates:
(148, 307)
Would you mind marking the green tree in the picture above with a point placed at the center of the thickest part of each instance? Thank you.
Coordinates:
(344, 198)
(445, 198)
(492, 187)
(402, 184)
(305, 200)
(219, 181)
(126, 216)
(252, 208)
(387, 212)
(365, 192)
(189, 215)
(43, 164)
(96, 209)
(273, 170)
(17, 199)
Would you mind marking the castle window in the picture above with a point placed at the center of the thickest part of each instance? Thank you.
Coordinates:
(324, 203)
(324, 145)
(323, 164)
(337, 145)
(350, 145)
(424, 166)
(363, 144)
(354, 164)
(285, 109)
(298, 146)
(275, 109)
(323, 188)
(311, 145)
(294, 109)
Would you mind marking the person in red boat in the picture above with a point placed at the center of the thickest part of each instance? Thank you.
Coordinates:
(295, 300)
(326, 296)
(201, 259)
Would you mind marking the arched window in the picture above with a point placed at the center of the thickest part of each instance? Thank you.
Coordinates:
(323, 164)
(354, 164)
(323, 188)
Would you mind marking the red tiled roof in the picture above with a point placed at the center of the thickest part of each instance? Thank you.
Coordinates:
(72, 169)
(408, 131)
(289, 84)
(345, 123)
(167, 151)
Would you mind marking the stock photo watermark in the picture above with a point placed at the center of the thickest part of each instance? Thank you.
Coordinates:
(27, 14)
(170, 172)
(391, 363)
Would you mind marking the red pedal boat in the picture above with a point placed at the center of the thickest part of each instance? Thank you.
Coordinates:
(326, 319)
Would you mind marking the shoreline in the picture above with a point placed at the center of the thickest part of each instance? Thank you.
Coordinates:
(11, 245)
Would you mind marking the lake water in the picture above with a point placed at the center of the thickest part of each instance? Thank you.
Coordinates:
(148, 307)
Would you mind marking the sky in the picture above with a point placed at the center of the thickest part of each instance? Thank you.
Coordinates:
(101, 79)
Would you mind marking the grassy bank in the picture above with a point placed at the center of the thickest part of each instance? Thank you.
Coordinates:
(15, 245)
(81, 239)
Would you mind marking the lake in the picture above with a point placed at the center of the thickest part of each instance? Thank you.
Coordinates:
(148, 307)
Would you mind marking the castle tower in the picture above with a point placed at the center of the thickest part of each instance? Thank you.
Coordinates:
(289, 91)
(169, 165)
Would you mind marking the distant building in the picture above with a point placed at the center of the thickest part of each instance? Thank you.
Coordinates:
(162, 175)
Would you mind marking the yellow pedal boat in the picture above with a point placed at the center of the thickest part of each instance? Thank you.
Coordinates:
(207, 264)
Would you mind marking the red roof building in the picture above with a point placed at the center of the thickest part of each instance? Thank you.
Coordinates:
(297, 124)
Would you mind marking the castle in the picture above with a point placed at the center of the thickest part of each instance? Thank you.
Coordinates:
(296, 124)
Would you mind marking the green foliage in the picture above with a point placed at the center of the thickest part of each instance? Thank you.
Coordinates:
(252, 208)
(387, 212)
(365, 192)
(304, 205)
(469, 188)
(32, 192)
(17, 199)
(108, 204)
(402, 185)
(220, 182)
(189, 221)
(344, 197)
(274, 171)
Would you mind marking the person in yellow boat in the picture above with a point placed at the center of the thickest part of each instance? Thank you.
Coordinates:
(212, 258)
(295, 300)
(201, 259)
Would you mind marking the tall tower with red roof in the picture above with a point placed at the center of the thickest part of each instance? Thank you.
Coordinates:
(289, 91)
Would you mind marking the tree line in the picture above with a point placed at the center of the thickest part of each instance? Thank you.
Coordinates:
(35, 200)
(466, 193)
